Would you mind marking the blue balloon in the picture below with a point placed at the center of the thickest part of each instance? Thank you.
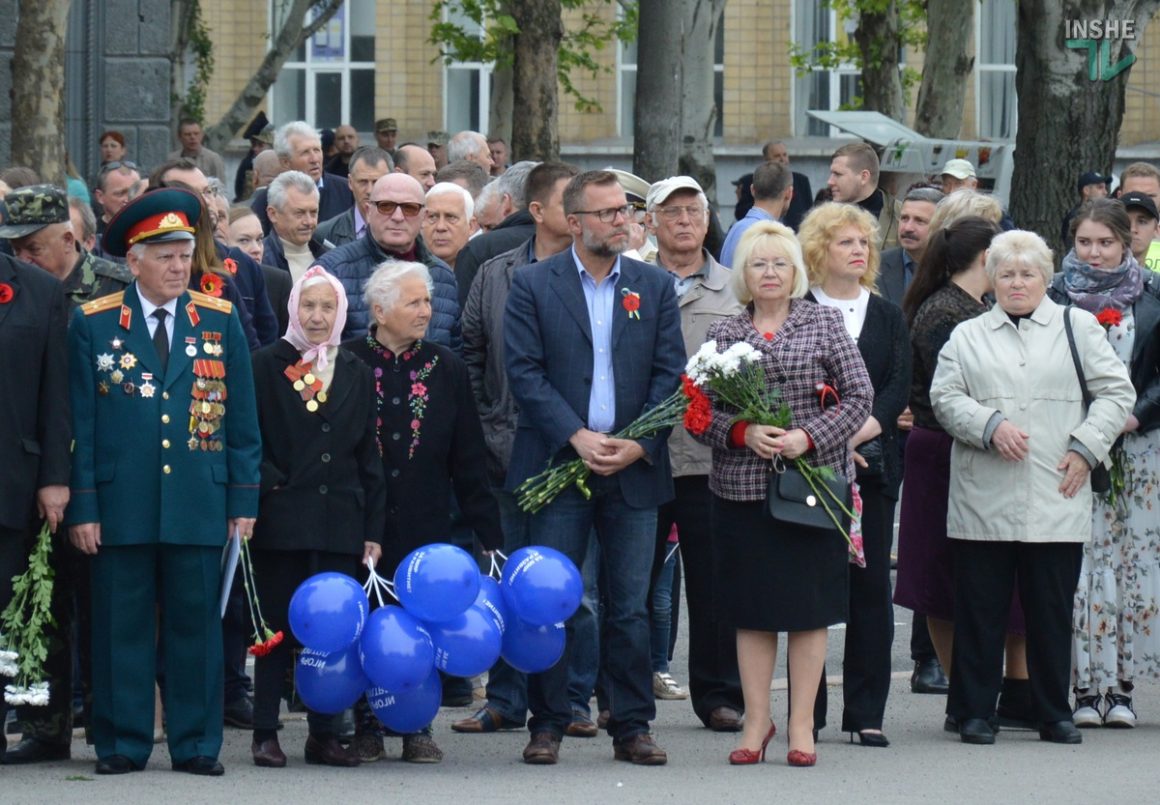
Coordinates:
(330, 683)
(409, 711)
(396, 650)
(468, 644)
(531, 648)
(541, 585)
(437, 582)
(328, 611)
(490, 598)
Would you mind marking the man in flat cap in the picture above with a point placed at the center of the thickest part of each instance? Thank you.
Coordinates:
(165, 470)
(40, 232)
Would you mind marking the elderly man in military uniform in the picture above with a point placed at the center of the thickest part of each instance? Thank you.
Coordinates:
(39, 230)
(165, 470)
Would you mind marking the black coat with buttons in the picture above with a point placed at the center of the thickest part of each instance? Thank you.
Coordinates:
(429, 386)
(322, 480)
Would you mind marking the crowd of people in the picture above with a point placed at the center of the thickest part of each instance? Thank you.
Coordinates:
(372, 347)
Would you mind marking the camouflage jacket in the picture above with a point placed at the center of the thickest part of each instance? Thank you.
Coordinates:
(94, 277)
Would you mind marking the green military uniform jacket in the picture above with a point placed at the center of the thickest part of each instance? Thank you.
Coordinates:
(162, 458)
(94, 277)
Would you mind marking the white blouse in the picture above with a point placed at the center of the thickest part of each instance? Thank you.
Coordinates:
(853, 310)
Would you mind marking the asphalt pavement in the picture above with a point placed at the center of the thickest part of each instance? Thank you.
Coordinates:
(923, 764)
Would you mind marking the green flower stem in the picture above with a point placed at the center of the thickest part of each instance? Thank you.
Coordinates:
(29, 613)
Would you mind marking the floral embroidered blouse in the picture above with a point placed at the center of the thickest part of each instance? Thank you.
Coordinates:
(431, 445)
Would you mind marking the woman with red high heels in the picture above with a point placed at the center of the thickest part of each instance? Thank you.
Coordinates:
(775, 577)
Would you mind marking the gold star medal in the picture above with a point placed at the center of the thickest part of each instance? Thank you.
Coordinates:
(128, 361)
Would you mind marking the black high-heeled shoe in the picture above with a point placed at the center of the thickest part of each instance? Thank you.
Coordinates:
(874, 739)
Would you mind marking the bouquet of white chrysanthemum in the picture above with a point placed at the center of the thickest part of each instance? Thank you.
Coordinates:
(23, 645)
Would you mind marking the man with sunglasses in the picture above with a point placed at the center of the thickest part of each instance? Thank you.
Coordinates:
(395, 214)
(592, 339)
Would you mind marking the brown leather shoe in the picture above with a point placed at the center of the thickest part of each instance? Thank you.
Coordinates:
(724, 719)
(328, 752)
(542, 750)
(641, 750)
(486, 719)
(602, 719)
(268, 754)
(581, 726)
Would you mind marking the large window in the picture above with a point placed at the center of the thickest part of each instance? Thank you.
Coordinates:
(996, 107)
(466, 87)
(330, 80)
(822, 89)
(626, 78)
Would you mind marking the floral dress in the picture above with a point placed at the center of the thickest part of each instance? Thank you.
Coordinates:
(1118, 598)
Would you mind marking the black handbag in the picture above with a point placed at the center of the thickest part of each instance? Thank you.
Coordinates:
(1101, 476)
(871, 452)
(789, 498)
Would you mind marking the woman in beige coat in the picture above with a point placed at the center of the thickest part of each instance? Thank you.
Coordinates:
(1020, 499)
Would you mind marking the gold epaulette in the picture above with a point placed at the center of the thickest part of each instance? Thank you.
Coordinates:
(103, 303)
(203, 300)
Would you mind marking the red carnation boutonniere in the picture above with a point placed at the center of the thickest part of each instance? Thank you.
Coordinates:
(631, 302)
(231, 265)
(6, 293)
(211, 285)
(1109, 317)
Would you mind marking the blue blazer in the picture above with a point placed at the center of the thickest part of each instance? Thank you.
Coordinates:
(548, 353)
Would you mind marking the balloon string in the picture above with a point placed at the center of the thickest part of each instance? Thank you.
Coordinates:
(495, 571)
(390, 588)
(500, 554)
(673, 550)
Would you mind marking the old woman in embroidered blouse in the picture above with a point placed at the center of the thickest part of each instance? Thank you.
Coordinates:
(429, 434)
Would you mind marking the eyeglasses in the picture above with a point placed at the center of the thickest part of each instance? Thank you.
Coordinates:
(410, 208)
(607, 216)
(676, 212)
(761, 266)
(112, 166)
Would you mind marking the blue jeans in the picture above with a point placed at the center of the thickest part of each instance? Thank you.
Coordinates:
(585, 663)
(661, 609)
(627, 539)
(507, 688)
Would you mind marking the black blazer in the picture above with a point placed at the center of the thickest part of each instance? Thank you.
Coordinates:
(884, 344)
(278, 287)
(35, 430)
(892, 276)
(322, 479)
(334, 198)
(1145, 365)
(803, 199)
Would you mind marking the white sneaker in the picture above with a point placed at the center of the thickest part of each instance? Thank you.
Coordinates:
(665, 687)
(1119, 713)
(1087, 711)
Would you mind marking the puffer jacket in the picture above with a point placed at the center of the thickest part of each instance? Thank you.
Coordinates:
(354, 263)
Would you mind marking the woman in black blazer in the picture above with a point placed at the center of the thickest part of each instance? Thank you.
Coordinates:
(840, 251)
(323, 496)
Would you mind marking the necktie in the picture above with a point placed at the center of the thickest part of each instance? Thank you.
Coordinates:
(160, 338)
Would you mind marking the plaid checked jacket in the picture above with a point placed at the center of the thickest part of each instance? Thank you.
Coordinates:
(811, 347)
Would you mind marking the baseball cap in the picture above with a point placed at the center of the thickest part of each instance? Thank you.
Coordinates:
(1091, 177)
(666, 187)
(959, 168)
(32, 208)
(438, 137)
(1140, 201)
(386, 124)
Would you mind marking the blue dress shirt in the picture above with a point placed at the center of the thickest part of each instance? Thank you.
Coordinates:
(601, 300)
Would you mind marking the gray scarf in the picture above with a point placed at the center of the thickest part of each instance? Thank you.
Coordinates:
(1094, 289)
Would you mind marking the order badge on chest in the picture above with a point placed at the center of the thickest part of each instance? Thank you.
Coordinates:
(207, 408)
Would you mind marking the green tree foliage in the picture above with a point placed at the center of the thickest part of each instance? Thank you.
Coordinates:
(493, 46)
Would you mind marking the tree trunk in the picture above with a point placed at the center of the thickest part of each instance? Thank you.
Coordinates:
(939, 112)
(499, 119)
(38, 88)
(535, 131)
(698, 110)
(292, 34)
(1067, 122)
(878, 40)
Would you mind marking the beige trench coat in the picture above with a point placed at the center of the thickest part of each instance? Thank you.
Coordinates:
(709, 299)
(1026, 374)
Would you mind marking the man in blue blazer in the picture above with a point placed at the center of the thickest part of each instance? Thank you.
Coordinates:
(591, 341)
(166, 463)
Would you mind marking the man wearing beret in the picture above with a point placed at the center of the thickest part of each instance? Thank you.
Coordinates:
(165, 470)
(40, 232)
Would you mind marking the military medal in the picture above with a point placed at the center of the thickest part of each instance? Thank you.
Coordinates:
(102, 388)
(128, 361)
(129, 388)
(116, 343)
(147, 388)
(206, 407)
(117, 376)
(212, 343)
(104, 362)
(306, 384)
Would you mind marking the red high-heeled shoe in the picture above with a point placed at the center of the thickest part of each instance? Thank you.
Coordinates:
(745, 757)
(797, 757)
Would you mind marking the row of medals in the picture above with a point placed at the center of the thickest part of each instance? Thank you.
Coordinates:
(310, 388)
(208, 405)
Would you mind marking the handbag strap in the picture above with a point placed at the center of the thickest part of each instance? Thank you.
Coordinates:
(1083, 388)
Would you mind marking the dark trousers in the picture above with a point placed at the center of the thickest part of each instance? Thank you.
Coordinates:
(129, 582)
(236, 631)
(713, 677)
(921, 646)
(985, 577)
(277, 575)
(870, 627)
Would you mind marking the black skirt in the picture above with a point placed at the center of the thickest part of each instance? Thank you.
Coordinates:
(774, 577)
